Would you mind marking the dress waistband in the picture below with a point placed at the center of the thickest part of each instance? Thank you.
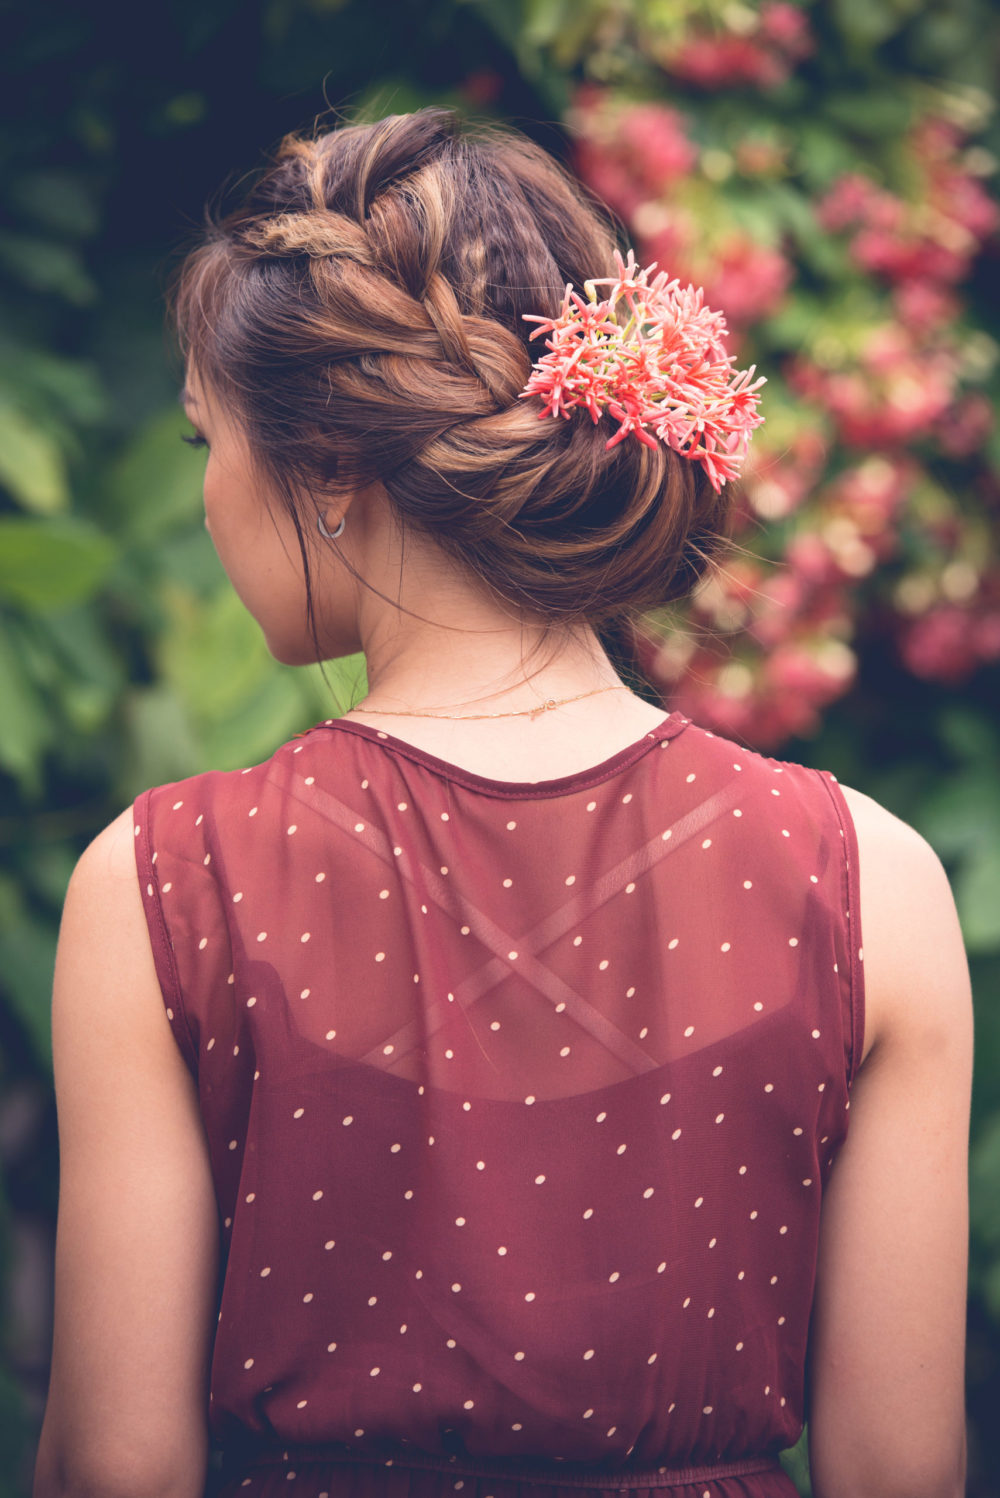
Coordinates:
(554, 1474)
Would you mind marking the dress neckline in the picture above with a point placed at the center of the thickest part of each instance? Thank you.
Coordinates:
(561, 785)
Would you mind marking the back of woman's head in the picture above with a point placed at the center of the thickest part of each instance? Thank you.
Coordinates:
(361, 315)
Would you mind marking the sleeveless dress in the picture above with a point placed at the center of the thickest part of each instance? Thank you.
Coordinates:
(521, 1099)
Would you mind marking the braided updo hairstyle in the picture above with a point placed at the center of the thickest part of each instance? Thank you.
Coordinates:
(361, 314)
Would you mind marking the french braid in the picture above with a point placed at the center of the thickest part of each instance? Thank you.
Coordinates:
(363, 310)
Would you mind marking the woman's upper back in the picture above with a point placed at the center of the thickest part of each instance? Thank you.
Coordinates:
(550, 1074)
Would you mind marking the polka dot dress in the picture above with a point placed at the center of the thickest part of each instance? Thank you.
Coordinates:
(521, 1101)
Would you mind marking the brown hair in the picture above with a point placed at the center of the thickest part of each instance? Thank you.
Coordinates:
(361, 312)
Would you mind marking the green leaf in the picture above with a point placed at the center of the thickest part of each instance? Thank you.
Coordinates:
(161, 746)
(31, 464)
(155, 486)
(25, 727)
(984, 1182)
(252, 732)
(27, 958)
(60, 201)
(45, 266)
(213, 654)
(963, 815)
(52, 564)
(977, 895)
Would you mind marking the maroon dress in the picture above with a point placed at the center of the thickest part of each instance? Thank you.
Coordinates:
(521, 1099)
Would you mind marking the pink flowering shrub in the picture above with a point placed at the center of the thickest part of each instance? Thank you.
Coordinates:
(863, 493)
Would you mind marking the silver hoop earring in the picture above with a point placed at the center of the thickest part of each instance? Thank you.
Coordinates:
(331, 535)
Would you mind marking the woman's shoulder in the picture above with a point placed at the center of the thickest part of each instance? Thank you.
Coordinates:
(916, 975)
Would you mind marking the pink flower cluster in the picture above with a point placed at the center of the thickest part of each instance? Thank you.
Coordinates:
(868, 527)
(641, 161)
(652, 356)
(929, 240)
(950, 641)
(760, 54)
(895, 391)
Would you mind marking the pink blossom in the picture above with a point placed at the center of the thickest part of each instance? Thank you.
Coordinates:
(662, 373)
(787, 27)
(653, 137)
(940, 645)
(963, 429)
(748, 280)
(924, 306)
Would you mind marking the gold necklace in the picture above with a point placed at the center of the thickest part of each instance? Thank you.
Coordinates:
(526, 712)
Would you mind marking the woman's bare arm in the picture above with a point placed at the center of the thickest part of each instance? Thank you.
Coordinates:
(888, 1334)
(137, 1243)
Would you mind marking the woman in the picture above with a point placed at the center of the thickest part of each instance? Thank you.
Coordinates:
(492, 1065)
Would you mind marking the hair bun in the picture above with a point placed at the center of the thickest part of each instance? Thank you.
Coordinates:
(363, 312)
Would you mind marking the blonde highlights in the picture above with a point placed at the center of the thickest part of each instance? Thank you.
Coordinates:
(361, 313)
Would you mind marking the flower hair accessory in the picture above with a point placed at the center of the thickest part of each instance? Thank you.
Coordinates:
(662, 372)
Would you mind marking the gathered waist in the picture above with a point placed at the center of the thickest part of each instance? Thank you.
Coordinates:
(552, 1473)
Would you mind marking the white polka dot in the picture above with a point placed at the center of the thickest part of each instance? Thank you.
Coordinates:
(233, 1144)
(445, 817)
(758, 1005)
(298, 1113)
(330, 1243)
(768, 1086)
(648, 1192)
(726, 946)
(379, 956)
(167, 887)
(570, 879)
(304, 937)
(317, 1196)
(672, 943)
(530, 1295)
(374, 1372)
(265, 1272)
(707, 842)
(507, 883)
(748, 884)
(307, 1297)
(262, 936)
(249, 1363)
(588, 1213)
(793, 941)
(511, 826)
(676, 1134)
(689, 1032)
(331, 1034)
(348, 1120)
(588, 1354)
(417, 1388)
(665, 1098)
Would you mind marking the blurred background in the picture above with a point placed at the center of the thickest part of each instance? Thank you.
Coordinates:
(826, 171)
